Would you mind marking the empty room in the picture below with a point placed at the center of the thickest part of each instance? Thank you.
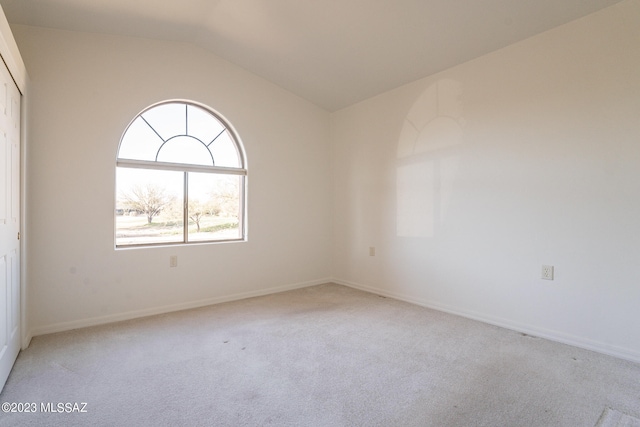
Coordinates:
(292, 213)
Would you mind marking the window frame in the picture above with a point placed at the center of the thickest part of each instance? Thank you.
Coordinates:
(186, 168)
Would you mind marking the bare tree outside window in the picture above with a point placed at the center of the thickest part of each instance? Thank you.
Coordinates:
(197, 210)
(148, 199)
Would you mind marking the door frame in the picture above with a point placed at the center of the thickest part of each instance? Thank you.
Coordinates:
(10, 54)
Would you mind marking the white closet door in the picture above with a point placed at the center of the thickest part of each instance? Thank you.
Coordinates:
(9, 223)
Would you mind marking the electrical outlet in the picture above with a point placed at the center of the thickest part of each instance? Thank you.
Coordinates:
(547, 272)
(372, 251)
(173, 261)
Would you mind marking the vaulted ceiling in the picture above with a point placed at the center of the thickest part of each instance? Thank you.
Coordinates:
(332, 52)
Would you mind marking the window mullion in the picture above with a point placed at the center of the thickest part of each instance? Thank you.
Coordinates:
(186, 208)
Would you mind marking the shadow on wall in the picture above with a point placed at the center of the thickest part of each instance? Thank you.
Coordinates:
(427, 159)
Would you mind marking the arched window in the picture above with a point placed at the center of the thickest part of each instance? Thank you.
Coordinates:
(180, 178)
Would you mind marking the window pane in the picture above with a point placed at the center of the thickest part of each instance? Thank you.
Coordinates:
(185, 149)
(139, 142)
(214, 207)
(224, 151)
(167, 119)
(202, 124)
(148, 206)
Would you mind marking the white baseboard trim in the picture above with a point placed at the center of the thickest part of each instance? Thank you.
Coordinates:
(561, 337)
(118, 317)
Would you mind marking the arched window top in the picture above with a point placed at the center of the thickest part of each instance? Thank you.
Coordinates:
(181, 132)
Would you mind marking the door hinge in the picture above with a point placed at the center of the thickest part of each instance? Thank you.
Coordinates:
(18, 235)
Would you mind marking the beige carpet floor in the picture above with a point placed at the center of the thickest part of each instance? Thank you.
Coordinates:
(326, 355)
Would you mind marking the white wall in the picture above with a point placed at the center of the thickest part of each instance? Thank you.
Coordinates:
(467, 181)
(85, 90)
